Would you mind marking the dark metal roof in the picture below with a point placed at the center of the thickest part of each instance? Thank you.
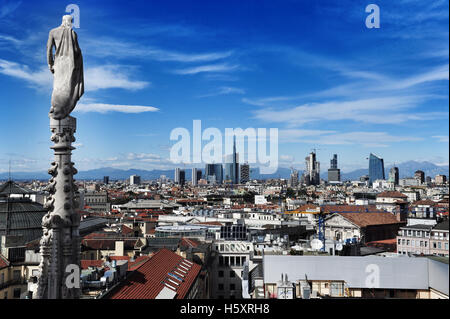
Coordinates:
(442, 226)
(10, 187)
(21, 216)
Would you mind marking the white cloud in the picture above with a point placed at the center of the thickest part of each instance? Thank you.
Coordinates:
(442, 138)
(109, 47)
(384, 110)
(41, 78)
(96, 78)
(107, 108)
(207, 68)
(368, 139)
(225, 90)
(9, 7)
(111, 76)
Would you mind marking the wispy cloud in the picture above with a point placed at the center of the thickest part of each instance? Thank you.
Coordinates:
(367, 139)
(112, 76)
(442, 138)
(110, 47)
(96, 78)
(8, 7)
(39, 78)
(207, 68)
(225, 90)
(107, 108)
(364, 110)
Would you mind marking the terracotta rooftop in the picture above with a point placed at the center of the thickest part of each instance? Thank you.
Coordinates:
(188, 242)
(85, 264)
(3, 262)
(164, 269)
(424, 202)
(370, 219)
(350, 209)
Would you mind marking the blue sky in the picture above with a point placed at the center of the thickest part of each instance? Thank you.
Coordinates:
(309, 68)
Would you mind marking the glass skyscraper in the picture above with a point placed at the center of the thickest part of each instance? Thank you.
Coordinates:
(232, 165)
(376, 168)
(214, 173)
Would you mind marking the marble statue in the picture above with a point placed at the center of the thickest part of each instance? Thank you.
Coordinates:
(66, 64)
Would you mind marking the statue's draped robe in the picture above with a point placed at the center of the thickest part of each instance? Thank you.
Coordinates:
(68, 81)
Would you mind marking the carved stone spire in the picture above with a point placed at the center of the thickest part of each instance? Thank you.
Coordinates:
(60, 243)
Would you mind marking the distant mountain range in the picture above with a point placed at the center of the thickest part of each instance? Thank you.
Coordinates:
(406, 169)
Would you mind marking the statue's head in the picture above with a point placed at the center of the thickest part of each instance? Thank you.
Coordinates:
(67, 21)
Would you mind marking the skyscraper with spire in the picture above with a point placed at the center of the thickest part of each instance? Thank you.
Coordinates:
(232, 165)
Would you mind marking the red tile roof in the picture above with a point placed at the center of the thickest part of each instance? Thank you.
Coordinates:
(350, 208)
(424, 202)
(3, 262)
(147, 281)
(126, 230)
(370, 219)
(188, 242)
(85, 264)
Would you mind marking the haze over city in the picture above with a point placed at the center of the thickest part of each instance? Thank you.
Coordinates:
(313, 70)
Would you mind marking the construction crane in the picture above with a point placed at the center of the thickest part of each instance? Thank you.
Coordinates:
(321, 219)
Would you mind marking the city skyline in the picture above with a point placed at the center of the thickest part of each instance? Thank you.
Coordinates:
(273, 67)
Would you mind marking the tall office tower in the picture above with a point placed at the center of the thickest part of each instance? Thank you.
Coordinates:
(214, 173)
(135, 180)
(182, 178)
(312, 172)
(176, 176)
(293, 179)
(376, 168)
(106, 180)
(334, 173)
(394, 175)
(245, 173)
(232, 165)
(420, 176)
(179, 177)
(195, 176)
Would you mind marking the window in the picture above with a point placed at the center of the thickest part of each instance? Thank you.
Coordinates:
(221, 273)
(227, 260)
(16, 274)
(16, 293)
(220, 260)
(439, 245)
(399, 241)
(232, 274)
(232, 286)
(232, 263)
(220, 287)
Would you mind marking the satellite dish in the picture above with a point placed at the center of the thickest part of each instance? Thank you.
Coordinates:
(339, 246)
(316, 244)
